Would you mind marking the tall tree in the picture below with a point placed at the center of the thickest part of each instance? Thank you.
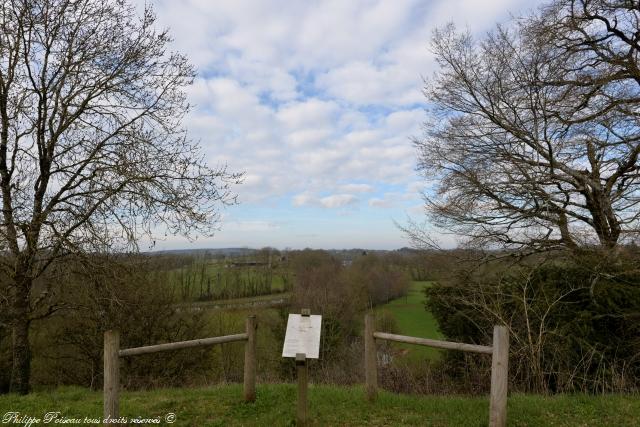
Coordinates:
(92, 152)
(533, 136)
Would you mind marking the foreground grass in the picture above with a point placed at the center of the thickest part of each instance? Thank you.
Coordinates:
(330, 406)
(413, 320)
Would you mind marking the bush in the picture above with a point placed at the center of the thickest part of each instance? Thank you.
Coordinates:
(573, 320)
(115, 293)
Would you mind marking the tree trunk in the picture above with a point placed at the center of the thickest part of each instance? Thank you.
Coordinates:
(21, 369)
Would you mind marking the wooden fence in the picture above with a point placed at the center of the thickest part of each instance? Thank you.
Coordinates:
(499, 363)
(112, 354)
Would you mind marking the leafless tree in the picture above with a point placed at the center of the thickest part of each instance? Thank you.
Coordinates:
(533, 137)
(92, 152)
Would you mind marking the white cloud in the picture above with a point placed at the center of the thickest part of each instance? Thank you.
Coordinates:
(338, 200)
(283, 86)
(263, 78)
(315, 99)
(364, 83)
(330, 202)
(304, 199)
(309, 113)
(357, 188)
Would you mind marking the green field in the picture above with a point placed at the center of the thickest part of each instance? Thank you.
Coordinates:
(329, 406)
(218, 275)
(412, 319)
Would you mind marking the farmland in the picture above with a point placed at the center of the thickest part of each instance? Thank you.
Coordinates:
(205, 279)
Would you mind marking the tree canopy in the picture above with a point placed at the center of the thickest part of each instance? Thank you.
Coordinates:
(92, 152)
(532, 138)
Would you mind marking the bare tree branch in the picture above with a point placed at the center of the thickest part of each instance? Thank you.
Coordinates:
(532, 139)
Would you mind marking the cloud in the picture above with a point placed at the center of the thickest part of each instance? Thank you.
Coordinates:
(315, 101)
(307, 96)
(357, 188)
(365, 84)
(338, 200)
(330, 202)
(304, 199)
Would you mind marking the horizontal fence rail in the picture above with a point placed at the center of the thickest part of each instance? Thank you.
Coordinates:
(447, 345)
(112, 355)
(182, 344)
(499, 352)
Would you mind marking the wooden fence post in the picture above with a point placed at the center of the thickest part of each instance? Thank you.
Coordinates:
(250, 360)
(111, 375)
(499, 377)
(370, 357)
(301, 368)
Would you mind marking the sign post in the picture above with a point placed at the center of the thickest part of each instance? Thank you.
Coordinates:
(303, 381)
(302, 342)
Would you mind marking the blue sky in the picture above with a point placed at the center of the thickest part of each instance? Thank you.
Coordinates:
(316, 102)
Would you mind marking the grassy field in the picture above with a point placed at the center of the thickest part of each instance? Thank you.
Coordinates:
(219, 276)
(413, 320)
(329, 406)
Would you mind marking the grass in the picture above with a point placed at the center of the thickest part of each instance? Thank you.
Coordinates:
(329, 406)
(413, 320)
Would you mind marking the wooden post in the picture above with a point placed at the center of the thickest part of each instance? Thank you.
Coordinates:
(250, 360)
(499, 377)
(370, 357)
(301, 368)
(111, 375)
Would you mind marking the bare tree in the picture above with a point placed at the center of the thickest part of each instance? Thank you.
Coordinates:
(92, 152)
(532, 140)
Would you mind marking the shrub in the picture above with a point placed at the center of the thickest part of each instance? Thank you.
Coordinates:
(115, 293)
(573, 320)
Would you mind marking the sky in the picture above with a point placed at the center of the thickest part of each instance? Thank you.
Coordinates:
(316, 102)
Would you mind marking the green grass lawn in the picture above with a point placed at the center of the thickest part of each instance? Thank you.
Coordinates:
(413, 320)
(329, 406)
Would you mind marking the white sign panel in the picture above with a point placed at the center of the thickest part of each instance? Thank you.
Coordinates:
(303, 336)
